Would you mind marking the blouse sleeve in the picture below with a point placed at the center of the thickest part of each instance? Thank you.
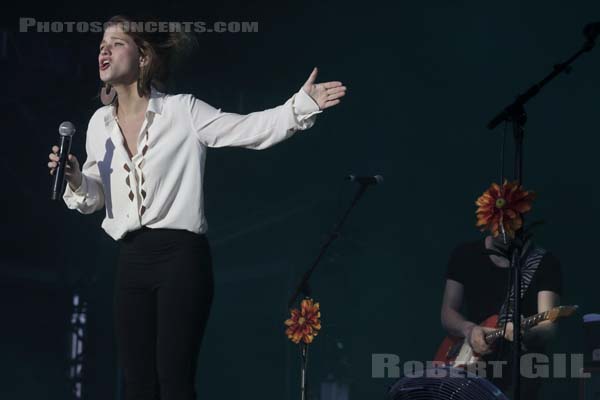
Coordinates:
(89, 197)
(257, 130)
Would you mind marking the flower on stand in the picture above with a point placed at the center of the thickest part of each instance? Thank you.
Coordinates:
(305, 323)
(501, 208)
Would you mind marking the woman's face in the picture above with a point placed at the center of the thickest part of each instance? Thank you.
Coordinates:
(119, 57)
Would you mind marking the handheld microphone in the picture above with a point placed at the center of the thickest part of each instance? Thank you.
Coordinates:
(66, 130)
(366, 180)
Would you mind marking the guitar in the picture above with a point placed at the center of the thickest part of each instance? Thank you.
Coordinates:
(456, 351)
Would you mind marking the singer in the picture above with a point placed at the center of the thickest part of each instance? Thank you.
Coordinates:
(146, 153)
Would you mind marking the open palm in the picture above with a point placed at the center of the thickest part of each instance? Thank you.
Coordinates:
(326, 94)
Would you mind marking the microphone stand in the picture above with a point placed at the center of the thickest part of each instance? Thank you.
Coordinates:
(516, 115)
(304, 288)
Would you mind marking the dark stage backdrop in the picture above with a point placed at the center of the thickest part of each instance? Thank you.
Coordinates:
(423, 77)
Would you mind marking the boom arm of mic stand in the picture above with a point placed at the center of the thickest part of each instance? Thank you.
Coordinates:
(303, 286)
(523, 98)
(515, 113)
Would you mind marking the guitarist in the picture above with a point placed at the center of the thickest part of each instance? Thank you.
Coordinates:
(476, 288)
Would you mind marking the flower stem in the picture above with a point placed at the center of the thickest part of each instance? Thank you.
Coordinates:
(304, 357)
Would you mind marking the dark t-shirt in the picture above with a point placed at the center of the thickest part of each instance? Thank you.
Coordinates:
(485, 284)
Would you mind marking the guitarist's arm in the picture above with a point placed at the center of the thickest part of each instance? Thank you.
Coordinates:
(549, 288)
(544, 331)
(453, 321)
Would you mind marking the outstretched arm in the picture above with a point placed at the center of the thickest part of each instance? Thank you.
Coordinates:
(263, 129)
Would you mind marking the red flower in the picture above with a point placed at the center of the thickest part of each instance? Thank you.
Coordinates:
(305, 323)
(503, 207)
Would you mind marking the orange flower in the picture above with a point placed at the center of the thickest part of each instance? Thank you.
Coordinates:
(305, 323)
(503, 207)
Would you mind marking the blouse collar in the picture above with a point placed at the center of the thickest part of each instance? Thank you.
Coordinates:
(155, 105)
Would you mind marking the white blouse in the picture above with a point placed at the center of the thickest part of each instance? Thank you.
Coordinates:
(161, 186)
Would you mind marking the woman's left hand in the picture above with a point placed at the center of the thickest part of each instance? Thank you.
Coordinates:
(326, 94)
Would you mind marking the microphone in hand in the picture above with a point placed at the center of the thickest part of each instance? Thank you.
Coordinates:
(66, 131)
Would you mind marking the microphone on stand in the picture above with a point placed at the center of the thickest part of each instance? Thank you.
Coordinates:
(591, 31)
(66, 130)
(366, 180)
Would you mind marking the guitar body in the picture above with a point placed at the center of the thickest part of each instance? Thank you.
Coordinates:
(456, 351)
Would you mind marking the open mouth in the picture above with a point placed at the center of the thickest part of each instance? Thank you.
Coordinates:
(104, 66)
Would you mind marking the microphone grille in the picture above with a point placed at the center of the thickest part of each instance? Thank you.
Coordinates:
(66, 129)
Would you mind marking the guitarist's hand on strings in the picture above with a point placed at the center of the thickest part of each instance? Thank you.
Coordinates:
(476, 338)
(508, 335)
(508, 332)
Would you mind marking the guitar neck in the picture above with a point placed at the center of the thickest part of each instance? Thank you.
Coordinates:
(527, 323)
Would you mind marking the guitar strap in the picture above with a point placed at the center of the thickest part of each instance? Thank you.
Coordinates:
(533, 260)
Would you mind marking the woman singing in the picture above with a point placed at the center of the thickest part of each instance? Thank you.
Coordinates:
(146, 152)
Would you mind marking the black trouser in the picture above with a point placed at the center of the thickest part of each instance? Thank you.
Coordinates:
(163, 293)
